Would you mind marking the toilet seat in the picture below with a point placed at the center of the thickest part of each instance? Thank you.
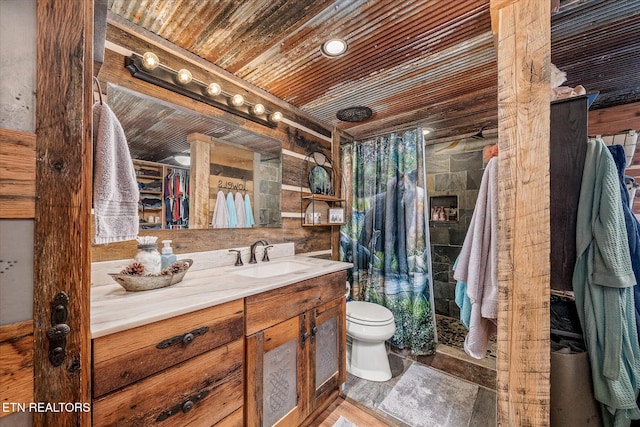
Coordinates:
(368, 314)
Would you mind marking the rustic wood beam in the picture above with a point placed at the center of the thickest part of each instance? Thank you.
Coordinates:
(523, 365)
(614, 120)
(62, 257)
(200, 171)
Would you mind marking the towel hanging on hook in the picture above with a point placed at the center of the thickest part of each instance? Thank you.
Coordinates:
(97, 82)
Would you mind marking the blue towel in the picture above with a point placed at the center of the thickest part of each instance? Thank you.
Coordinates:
(462, 300)
(231, 208)
(249, 221)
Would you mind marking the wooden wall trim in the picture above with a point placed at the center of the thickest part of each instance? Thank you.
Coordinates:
(17, 174)
(523, 363)
(16, 363)
(62, 257)
(614, 120)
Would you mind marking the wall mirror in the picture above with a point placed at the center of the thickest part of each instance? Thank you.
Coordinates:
(225, 159)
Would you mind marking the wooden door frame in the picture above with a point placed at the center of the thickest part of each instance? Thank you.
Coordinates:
(62, 250)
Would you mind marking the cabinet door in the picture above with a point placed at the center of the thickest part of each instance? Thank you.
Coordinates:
(327, 358)
(276, 360)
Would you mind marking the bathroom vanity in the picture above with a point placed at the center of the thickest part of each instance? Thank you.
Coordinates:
(256, 345)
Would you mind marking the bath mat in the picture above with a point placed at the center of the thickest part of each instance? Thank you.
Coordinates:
(425, 397)
(343, 422)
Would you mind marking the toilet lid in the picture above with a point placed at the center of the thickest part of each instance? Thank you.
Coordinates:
(361, 311)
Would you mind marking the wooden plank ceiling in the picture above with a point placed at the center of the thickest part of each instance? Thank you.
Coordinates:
(412, 62)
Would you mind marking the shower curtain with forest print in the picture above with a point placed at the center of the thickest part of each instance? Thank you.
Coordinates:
(386, 234)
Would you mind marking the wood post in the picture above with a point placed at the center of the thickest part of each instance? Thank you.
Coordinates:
(62, 250)
(199, 180)
(523, 40)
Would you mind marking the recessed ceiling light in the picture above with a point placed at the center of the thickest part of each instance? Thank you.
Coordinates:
(183, 160)
(334, 47)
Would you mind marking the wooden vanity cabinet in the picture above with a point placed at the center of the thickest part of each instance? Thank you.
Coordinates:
(295, 351)
(187, 370)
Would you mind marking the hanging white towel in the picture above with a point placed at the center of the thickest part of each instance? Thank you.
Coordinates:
(248, 211)
(242, 217)
(231, 207)
(220, 213)
(115, 188)
(477, 264)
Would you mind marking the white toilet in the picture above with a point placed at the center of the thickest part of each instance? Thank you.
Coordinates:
(369, 325)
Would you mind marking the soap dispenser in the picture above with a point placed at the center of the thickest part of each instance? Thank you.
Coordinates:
(168, 257)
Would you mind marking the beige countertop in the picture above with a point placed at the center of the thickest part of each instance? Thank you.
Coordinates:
(113, 309)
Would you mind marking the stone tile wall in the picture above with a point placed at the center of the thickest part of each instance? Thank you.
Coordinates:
(453, 169)
(270, 193)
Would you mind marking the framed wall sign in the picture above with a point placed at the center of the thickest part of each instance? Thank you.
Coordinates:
(336, 215)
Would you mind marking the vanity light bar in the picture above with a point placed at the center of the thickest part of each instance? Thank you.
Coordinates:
(151, 70)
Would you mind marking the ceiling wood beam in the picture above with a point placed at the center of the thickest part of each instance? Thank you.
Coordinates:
(614, 120)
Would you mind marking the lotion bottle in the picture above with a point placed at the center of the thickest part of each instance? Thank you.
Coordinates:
(168, 257)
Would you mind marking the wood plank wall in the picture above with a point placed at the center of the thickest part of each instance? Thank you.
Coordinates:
(523, 41)
(16, 363)
(17, 174)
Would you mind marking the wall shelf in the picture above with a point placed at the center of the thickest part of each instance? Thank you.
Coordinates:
(321, 205)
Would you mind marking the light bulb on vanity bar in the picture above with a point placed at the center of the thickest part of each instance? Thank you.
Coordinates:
(237, 100)
(184, 76)
(258, 109)
(275, 117)
(214, 89)
(150, 61)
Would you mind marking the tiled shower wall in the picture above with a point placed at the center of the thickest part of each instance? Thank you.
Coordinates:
(453, 169)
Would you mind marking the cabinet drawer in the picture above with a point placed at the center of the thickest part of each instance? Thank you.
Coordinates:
(272, 307)
(125, 357)
(199, 392)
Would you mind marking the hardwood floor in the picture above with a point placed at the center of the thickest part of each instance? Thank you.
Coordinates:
(352, 411)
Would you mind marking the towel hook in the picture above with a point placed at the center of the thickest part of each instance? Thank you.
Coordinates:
(97, 82)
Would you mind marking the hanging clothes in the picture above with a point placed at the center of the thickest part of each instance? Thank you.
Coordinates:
(248, 211)
(477, 265)
(603, 283)
(177, 198)
(115, 188)
(220, 213)
(631, 222)
(240, 212)
(386, 235)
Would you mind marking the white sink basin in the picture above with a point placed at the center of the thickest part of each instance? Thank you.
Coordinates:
(264, 270)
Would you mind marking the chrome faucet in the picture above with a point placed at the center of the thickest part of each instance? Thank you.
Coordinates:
(253, 250)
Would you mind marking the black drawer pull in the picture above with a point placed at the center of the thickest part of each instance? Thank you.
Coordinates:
(184, 407)
(182, 339)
